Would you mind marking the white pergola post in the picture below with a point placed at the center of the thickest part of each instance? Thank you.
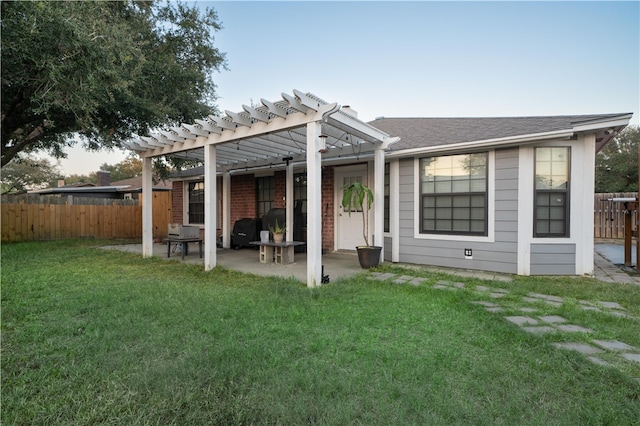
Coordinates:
(226, 209)
(147, 207)
(378, 200)
(314, 206)
(289, 201)
(210, 207)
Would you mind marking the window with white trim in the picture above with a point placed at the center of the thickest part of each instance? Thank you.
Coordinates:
(551, 213)
(454, 194)
(196, 202)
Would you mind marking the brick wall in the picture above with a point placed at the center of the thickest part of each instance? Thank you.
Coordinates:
(243, 200)
(279, 183)
(177, 202)
(327, 208)
(243, 197)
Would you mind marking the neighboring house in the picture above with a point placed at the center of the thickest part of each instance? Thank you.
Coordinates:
(123, 189)
(511, 194)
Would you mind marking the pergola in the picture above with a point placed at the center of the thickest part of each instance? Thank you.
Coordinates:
(299, 129)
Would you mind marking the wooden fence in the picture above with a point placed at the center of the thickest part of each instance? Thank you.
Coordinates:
(30, 218)
(609, 215)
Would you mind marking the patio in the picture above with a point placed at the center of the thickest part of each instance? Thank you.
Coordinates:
(337, 265)
(344, 264)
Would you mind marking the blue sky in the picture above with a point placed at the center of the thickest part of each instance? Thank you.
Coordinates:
(429, 59)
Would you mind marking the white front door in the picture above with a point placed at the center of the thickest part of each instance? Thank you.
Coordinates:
(348, 226)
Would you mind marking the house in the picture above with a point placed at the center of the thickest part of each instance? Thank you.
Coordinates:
(511, 194)
(124, 189)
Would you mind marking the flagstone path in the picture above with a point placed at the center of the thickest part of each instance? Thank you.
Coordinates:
(616, 352)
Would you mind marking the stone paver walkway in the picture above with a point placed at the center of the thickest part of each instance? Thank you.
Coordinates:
(543, 324)
(605, 270)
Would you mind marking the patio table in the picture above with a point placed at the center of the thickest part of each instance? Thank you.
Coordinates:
(282, 253)
(185, 245)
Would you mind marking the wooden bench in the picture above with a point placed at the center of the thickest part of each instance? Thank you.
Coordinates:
(185, 245)
(280, 253)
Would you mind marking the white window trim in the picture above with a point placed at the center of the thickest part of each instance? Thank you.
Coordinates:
(580, 203)
(394, 201)
(491, 203)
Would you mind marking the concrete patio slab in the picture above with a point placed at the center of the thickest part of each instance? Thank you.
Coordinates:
(336, 265)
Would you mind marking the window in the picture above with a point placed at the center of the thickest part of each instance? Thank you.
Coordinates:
(265, 193)
(453, 194)
(551, 215)
(196, 202)
(300, 193)
(387, 188)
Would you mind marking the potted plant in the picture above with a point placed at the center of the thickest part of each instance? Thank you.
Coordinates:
(278, 232)
(359, 197)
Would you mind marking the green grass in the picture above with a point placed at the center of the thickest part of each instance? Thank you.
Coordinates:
(96, 337)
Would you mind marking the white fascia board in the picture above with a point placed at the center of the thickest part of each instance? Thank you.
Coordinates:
(484, 144)
(361, 127)
(603, 123)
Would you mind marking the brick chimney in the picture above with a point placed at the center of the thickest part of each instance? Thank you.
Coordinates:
(104, 178)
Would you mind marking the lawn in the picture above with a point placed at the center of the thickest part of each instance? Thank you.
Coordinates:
(96, 337)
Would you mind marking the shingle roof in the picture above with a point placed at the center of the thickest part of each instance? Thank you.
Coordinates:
(429, 132)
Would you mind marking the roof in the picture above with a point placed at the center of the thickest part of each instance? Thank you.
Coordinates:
(113, 189)
(135, 184)
(416, 133)
(82, 190)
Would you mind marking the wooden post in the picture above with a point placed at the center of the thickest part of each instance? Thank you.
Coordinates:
(628, 234)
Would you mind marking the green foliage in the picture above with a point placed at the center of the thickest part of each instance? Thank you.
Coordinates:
(24, 174)
(102, 70)
(94, 336)
(617, 163)
(354, 198)
(127, 168)
(277, 229)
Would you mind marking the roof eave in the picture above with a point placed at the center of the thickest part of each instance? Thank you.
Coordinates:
(511, 140)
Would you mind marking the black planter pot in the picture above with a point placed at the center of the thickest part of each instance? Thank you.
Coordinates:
(369, 256)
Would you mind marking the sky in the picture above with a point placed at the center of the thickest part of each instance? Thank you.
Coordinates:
(426, 59)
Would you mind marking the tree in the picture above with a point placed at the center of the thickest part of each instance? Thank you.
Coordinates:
(617, 163)
(102, 70)
(24, 174)
(127, 168)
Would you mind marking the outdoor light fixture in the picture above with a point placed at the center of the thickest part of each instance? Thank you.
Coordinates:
(323, 144)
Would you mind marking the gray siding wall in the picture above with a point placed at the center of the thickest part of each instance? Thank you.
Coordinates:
(498, 256)
(387, 249)
(553, 259)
